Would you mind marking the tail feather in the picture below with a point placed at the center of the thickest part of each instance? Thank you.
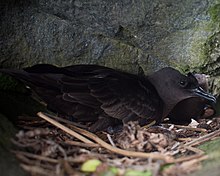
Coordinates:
(33, 79)
(18, 74)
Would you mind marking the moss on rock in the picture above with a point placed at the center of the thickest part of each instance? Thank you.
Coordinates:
(214, 12)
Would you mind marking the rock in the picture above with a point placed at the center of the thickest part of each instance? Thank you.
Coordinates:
(129, 35)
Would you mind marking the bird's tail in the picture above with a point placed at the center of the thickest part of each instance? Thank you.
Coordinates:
(19, 75)
(29, 79)
(36, 69)
(16, 73)
(35, 77)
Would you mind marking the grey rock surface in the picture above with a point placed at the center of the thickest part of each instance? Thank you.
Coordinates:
(130, 35)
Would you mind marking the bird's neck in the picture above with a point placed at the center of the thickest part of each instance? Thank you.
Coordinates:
(165, 96)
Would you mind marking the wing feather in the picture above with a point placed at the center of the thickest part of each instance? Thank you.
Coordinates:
(118, 94)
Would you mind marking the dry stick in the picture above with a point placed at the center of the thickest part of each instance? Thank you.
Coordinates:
(193, 149)
(30, 155)
(43, 158)
(92, 136)
(67, 167)
(149, 125)
(184, 139)
(65, 121)
(25, 159)
(121, 151)
(204, 138)
(64, 128)
(102, 143)
(35, 170)
(198, 156)
(81, 144)
(195, 142)
(110, 140)
(191, 157)
(191, 128)
(168, 159)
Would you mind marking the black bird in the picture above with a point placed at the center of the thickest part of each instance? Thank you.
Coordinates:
(105, 96)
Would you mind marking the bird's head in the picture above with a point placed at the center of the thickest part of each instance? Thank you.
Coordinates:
(174, 87)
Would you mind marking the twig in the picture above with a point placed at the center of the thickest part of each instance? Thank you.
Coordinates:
(187, 158)
(149, 125)
(66, 121)
(19, 144)
(204, 138)
(37, 170)
(110, 140)
(185, 168)
(191, 128)
(69, 170)
(64, 128)
(167, 159)
(81, 144)
(102, 143)
(39, 157)
(184, 139)
(193, 149)
(25, 159)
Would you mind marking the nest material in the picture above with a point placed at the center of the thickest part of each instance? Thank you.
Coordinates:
(61, 149)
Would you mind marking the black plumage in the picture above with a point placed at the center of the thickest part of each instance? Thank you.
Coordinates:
(107, 97)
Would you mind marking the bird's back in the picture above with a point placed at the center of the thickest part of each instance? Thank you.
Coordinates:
(88, 91)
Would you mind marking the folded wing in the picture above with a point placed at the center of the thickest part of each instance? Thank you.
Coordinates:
(86, 91)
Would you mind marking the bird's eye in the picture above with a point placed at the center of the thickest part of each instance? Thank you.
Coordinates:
(183, 83)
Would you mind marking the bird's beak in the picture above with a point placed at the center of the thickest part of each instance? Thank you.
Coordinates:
(207, 96)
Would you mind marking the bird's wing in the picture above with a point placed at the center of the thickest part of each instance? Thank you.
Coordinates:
(87, 87)
(120, 95)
